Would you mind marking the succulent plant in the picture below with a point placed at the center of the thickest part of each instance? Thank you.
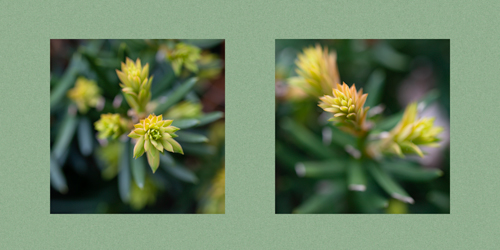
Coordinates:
(130, 102)
(153, 135)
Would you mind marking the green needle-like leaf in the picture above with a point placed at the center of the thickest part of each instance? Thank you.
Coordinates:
(323, 201)
(139, 171)
(63, 139)
(166, 159)
(374, 88)
(198, 149)
(185, 123)
(307, 140)
(287, 156)
(388, 184)
(181, 173)
(85, 136)
(409, 172)
(322, 169)
(124, 174)
(76, 65)
(190, 137)
(57, 179)
(210, 117)
(177, 95)
(356, 176)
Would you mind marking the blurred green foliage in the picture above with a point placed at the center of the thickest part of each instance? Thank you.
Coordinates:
(317, 166)
(91, 175)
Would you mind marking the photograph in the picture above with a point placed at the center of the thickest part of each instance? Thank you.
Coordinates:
(137, 126)
(362, 126)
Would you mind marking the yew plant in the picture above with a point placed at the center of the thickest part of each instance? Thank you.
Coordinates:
(374, 154)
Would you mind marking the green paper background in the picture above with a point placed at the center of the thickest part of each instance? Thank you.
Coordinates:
(250, 29)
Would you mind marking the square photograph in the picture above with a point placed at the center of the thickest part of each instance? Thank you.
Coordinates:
(137, 126)
(362, 126)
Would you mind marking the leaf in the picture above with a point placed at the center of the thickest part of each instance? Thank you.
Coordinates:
(286, 156)
(64, 137)
(181, 173)
(390, 58)
(138, 171)
(321, 169)
(410, 172)
(322, 201)
(160, 86)
(388, 184)
(198, 149)
(85, 136)
(190, 137)
(57, 179)
(124, 174)
(370, 202)
(176, 95)
(356, 176)
(185, 123)
(340, 138)
(166, 159)
(307, 140)
(76, 65)
(210, 117)
(375, 87)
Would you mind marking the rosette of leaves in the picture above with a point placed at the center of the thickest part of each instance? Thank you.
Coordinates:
(347, 154)
(153, 135)
(123, 70)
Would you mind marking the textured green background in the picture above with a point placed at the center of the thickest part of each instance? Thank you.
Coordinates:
(249, 28)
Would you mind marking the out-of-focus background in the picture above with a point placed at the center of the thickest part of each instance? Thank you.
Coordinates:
(406, 71)
(87, 174)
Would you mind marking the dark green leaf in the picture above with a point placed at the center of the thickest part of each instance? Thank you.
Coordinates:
(124, 174)
(307, 140)
(64, 137)
(181, 173)
(410, 172)
(388, 184)
(321, 169)
(323, 200)
(67, 81)
(190, 137)
(356, 176)
(210, 117)
(198, 149)
(138, 167)
(185, 123)
(177, 95)
(374, 88)
(57, 179)
(85, 136)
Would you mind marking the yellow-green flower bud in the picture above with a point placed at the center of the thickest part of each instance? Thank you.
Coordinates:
(411, 133)
(153, 135)
(135, 83)
(140, 197)
(184, 109)
(184, 55)
(210, 66)
(110, 157)
(85, 94)
(111, 125)
(346, 105)
(317, 71)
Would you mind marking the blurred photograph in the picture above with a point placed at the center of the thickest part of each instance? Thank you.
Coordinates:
(362, 126)
(137, 126)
